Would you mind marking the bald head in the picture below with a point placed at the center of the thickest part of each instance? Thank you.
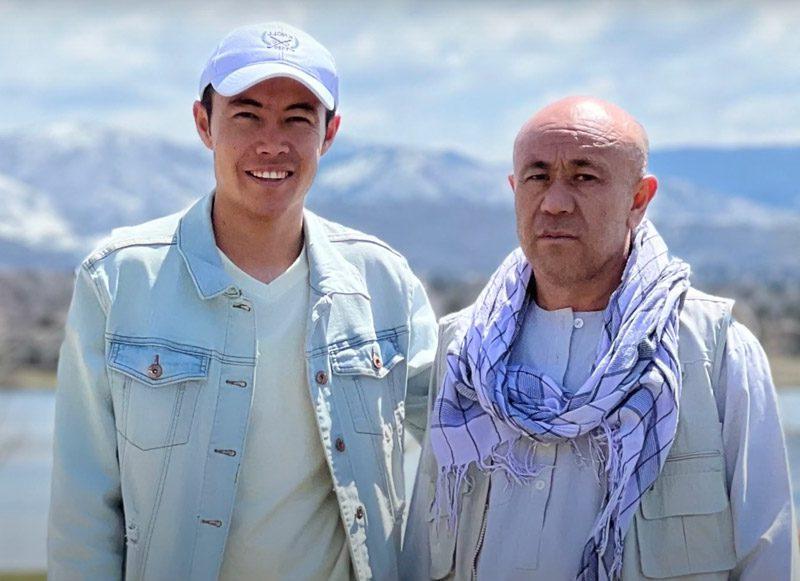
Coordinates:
(580, 189)
(598, 122)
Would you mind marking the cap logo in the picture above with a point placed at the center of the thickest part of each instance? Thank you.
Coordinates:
(280, 40)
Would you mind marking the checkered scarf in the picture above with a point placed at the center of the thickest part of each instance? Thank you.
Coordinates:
(490, 414)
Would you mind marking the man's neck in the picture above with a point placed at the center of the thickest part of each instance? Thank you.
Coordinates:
(262, 248)
(589, 295)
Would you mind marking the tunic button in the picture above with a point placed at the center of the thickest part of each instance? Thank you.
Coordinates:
(578, 323)
(339, 445)
(360, 512)
(539, 485)
(321, 377)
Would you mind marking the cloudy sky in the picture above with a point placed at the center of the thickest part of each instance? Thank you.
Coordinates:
(461, 75)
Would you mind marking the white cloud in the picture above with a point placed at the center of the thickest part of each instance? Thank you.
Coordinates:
(461, 74)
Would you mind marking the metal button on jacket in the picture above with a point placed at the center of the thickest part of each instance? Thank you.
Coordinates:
(321, 377)
(154, 371)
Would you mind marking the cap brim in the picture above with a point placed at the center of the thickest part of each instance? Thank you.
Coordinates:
(246, 77)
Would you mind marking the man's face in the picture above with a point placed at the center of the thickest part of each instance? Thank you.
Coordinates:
(267, 142)
(574, 195)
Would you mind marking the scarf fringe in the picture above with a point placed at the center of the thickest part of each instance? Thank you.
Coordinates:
(515, 460)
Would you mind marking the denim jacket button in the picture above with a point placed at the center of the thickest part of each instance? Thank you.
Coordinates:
(360, 512)
(340, 447)
(376, 361)
(154, 370)
(321, 377)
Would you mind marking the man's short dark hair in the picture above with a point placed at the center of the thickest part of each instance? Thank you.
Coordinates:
(208, 95)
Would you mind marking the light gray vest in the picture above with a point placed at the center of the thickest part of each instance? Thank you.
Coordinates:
(683, 528)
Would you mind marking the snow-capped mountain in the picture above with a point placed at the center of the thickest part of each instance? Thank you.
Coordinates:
(64, 186)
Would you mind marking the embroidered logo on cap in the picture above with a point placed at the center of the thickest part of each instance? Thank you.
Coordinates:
(280, 40)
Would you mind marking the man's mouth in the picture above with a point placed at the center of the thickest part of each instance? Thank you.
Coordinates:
(557, 236)
(270, 176)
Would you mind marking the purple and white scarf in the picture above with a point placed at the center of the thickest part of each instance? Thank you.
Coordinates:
(492, 415)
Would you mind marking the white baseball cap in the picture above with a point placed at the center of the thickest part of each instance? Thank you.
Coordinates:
(251, 54)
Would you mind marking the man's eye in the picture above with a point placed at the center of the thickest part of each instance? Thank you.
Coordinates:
(537, 177)
(585, 177)
(298, 119)
(245, 115)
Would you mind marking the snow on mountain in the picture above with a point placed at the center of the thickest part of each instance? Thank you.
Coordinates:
(65, 185)
(28, 218)
(97, 178)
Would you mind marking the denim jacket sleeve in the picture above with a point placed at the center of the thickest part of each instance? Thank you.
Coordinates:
(86, 530)
(421, 349)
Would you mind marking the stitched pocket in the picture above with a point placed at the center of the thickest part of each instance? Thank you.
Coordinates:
(684, 524)
(157, 386)
(367, 373)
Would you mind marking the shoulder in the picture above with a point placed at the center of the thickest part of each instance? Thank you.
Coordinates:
(453, 326)
(130, 241)
(368, 253)
(350, 240)
(704, 321)
(697, 299)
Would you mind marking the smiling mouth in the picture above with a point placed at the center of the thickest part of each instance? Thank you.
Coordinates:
(270, 176)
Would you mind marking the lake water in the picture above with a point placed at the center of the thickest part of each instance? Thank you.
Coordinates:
(26, 437)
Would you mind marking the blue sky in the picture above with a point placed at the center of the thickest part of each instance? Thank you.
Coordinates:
(461, 75)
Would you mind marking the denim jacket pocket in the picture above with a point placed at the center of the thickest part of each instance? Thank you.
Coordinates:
(684, 526)
(155, 387)
(366, 374)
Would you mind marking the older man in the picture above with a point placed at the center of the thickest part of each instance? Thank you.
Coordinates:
(232, 386)
(595, 417)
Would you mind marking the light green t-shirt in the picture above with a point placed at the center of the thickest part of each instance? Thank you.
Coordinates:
(286, 522)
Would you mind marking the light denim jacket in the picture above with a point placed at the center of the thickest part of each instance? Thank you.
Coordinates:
(155, 387)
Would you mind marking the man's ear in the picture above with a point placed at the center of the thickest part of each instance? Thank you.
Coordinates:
(330, 133)
(512, 182)
(202, 123)
(645, 192)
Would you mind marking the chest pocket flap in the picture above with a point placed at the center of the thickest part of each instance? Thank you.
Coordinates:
(685, 525)
(372, 358)
(368, 377)
(156, 364)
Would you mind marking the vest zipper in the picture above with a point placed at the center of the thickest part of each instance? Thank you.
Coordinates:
(482, 534)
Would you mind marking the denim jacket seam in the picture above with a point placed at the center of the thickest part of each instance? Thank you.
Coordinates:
(115, 245)
(102, 300)
(391, 333)
(343, 238)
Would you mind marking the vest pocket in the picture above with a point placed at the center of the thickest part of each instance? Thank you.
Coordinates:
(684, 523)
(156, 387)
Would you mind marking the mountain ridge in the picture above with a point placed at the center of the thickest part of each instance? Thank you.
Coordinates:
(461, 208)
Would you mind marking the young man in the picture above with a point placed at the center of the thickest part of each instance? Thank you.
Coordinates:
(596, 417)
(233, 381)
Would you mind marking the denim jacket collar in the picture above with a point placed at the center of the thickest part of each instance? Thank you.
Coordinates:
(330, 273)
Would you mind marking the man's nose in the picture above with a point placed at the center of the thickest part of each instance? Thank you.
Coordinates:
(272, 144)
(558, 199)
